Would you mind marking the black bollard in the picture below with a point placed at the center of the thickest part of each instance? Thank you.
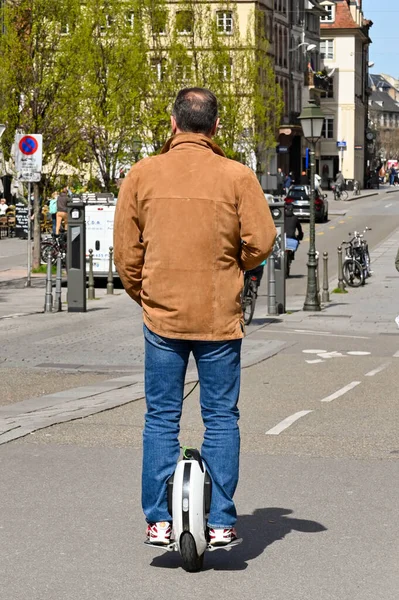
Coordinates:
(91, 292)
(110, 280)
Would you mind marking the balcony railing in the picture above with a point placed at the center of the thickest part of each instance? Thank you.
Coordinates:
(316, 81)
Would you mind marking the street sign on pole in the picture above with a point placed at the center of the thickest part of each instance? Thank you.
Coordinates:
(29, 156)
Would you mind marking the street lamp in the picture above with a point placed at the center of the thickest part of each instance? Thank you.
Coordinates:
(312, 120)
(136, 147)
(309, 47)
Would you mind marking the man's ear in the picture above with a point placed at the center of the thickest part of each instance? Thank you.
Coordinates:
(215, 127)
(173, 124)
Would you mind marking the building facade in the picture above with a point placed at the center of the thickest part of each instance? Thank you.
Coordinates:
(344, 52)
(383, 120)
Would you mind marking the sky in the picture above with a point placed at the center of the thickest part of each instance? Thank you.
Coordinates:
(384, 51)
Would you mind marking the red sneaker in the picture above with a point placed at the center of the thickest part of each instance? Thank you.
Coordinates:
(222, 537)
(159, 533)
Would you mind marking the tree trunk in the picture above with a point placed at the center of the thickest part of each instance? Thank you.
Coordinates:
(36, 227)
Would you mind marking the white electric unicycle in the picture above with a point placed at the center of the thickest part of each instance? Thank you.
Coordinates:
(189, 500)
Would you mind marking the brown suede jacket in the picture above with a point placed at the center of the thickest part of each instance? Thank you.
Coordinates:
(187, 223)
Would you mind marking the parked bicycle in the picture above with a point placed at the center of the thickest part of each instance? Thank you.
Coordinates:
(54, 246)
(339, 194)
(356, 267)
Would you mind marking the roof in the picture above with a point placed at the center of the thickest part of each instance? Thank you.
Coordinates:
(379, 82)
(344, 18)
(382, 102)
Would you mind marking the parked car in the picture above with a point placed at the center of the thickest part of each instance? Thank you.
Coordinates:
(299, 197)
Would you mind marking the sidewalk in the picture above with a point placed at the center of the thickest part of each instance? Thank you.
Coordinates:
(371, 308)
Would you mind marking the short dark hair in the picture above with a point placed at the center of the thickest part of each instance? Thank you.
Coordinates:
(195, 110)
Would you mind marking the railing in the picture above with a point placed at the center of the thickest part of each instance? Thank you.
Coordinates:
(315, 81)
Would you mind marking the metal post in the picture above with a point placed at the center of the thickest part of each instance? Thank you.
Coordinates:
(58, 285)
(48, 302)
(29, 280)
(312, 301)
(91, 293)
(271, 296)
(326, 294)
(110, 280)
(341, 284)
(317, 277)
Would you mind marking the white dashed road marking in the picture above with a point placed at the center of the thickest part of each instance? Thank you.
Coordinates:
(287, 422)
(377, 370)
(322, 333)
(358, 353)
(314, 362)
(396, 355)
(311, 351)
(341, 392)
(388, 205)
(329, 334)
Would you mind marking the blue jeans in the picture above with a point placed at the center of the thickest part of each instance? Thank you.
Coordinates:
(219, 371)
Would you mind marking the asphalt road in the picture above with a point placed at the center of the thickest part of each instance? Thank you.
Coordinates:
(317, 499)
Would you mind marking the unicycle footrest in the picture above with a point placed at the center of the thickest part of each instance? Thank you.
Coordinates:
(172, 547)
(236, 542)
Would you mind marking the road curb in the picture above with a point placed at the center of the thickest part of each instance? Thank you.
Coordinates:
(25, 417)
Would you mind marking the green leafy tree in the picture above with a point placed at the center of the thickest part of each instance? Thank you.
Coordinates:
(192, 47)
(110, 47)
(35, 81)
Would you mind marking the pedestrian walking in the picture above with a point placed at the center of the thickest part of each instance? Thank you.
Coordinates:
(187, 224)
(280, 182)
(287, 183)
(52, 207)
(304, 178)
(62, 210)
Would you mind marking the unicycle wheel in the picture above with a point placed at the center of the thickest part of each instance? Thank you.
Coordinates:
(188, 550)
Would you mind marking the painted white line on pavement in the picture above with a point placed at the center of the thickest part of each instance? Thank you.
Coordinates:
(334, 354)
(341, 392)
(328, 333)
(358, 353)
(325, 333)
(315, 351)
(388, 205)
(377, 370)
(396, 355)
(314, 362)
(287, 422)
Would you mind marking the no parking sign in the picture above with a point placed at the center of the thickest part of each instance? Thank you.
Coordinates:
(28, 156)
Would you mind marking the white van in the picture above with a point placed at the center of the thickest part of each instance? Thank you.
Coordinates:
(99, 216)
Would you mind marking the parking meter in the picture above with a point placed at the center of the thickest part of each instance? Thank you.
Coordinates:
(76, 256)
(278, 255)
